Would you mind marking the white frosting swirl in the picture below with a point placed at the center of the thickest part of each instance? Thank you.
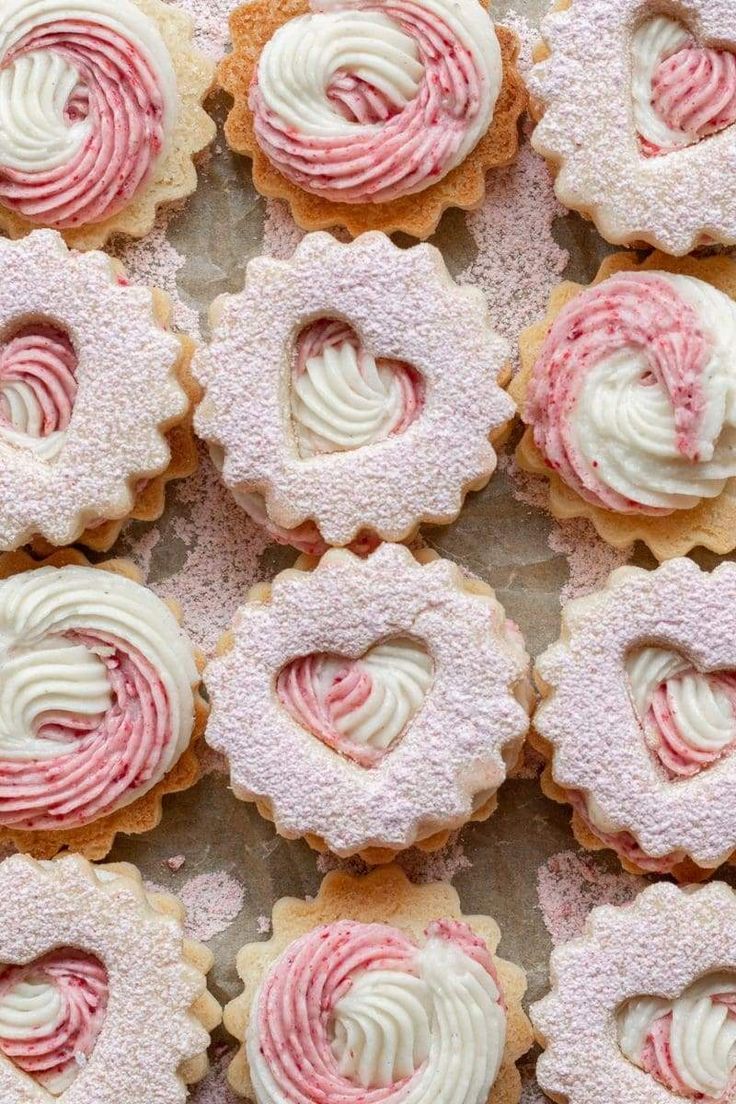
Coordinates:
(96, 694)
(689, 718)
(689, 1044)
(359, 707)
(343, 398)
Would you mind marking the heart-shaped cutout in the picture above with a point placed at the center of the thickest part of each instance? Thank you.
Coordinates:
(38, 384)
(342, 397)
(358, 707)
(51, 1014)
(682, 91)
(688, 716)
(687, 1044)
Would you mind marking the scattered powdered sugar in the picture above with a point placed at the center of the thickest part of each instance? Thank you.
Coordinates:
(589, 558)
(214, 1089)
(211, 28)
(212, 555)
(281, 235)
(154, 261)
(518, 261)
(263, 925)
(569, 885)
(531, 1092)
(212, 902)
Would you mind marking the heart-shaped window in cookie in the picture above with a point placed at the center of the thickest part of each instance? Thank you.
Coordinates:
(360, 708)
(51, 1014)
(38, 386)
(343, 397)
(688, 716)
(689, 1043)
(683, 91)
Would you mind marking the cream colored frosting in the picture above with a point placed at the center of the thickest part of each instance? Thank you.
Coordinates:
(696, 1052)
(35, 133)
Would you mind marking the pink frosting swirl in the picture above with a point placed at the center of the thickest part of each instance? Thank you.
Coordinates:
(643, 315)
(299, 1000)
(114, 754)
(675, 752)
(392, 147)
(41, 359)
(119, 104)
(694, 92)
(56, 1008)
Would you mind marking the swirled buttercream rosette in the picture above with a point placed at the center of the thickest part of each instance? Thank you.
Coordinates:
(370, 704)
(372, 114)
(389, 993)
(102, 999)
(642, 1008)
(99, 704)
(628, 389)
(95, 394)
(102, 115)
(637, 104)
(350, 392)
(638, 719)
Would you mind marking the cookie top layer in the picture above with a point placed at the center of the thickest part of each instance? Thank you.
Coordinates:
(640, 688)
(394, 415)
(314, 746)
(612, 74)
(88, 388)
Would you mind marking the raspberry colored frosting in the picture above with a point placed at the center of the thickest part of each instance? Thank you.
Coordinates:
(38, 386)
(89, 101)
(683, 91)
(51, 1012)
(633, 395)
(357, 1012)
(363, 101)
(96, 699)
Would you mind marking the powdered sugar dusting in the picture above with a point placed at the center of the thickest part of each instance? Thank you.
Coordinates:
(569, 885)
(281, 235)
(154, 261)
(217, 548)
(212, 902)
(215, 1089)
(589, 558)
(210, 18)
(518, 261)
(421, 867)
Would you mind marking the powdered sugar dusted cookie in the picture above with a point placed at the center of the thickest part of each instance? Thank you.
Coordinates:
(400, 998)
(372, 114)
(628, 388)
(94, 396)
(351, 392)
(102, 1000)
(638, 102)
(643, 1005)
(99, 704)
(641, 688)
(339, 689)
(102, 114)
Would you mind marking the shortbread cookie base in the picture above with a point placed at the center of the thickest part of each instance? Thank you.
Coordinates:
(435, 840)
(175, 176)
(252, 26)
(95, 840)
(205, 1008)
(384, 896)
(712, 524)
(150, 502)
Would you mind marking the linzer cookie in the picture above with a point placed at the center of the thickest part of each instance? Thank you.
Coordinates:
(643, 1006)
(370, 704)
(102, 113)
(350, 392)
(102, 999)
(637, 103)
(95, 395)
(372, 114)
(628, 389)
(639, 717)
(99, 704)
(378, 990)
